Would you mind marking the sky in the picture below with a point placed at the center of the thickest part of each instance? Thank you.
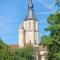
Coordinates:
(13, 12)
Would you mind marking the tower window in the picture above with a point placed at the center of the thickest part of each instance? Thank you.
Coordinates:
(35, 41)
(30, 41)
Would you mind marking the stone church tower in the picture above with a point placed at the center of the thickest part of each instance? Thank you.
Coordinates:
(29, 30)
(29, 33)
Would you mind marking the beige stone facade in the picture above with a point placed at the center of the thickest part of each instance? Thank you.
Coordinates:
(29, 33)
(29, 30)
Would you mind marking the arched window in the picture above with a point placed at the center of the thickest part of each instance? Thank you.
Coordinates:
(35, 42)
(30, 41)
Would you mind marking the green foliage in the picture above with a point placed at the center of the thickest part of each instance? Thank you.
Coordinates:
(46, 40)
(26, 53)
(54, 19)
(2, 44)
(5, 51)
(5, 54)
(53, 40)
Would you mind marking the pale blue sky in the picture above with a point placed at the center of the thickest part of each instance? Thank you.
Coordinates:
(13, 12)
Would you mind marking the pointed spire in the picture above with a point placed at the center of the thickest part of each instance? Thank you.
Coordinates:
(30, 15)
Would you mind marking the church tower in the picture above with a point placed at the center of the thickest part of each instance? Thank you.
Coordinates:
(29, 30)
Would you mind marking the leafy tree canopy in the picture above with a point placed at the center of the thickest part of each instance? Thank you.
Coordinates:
(53, 40)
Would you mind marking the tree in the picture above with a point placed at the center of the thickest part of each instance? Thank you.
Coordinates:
(5, 51)
(53, 40)
(26, 53)
(2, 44)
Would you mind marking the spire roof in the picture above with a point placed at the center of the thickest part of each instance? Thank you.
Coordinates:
(30, 15)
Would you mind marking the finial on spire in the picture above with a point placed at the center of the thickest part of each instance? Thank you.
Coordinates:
(30, 15)
(30, 1)
(30, 4)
